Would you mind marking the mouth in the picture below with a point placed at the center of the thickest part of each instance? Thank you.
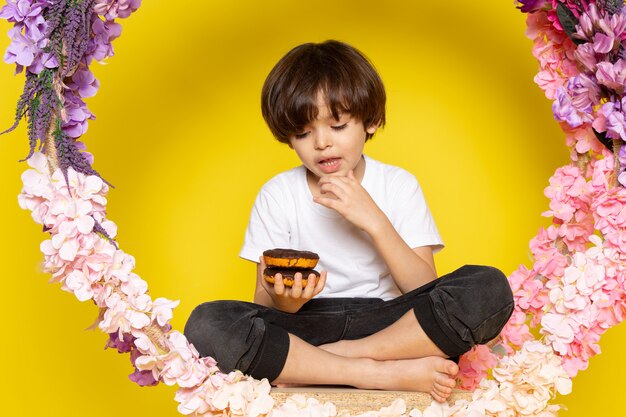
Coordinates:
(329, 165)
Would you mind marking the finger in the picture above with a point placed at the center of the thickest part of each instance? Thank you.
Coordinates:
(310, 287)
(331, 189)
(262, 263)
(268, 287)
(330, 203)
(296, 289)
(320, 284)
(279, 286)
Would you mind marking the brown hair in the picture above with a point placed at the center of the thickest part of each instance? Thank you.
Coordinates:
(340, 72)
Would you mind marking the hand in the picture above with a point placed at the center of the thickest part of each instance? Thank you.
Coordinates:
(347, 196)
(287, 299)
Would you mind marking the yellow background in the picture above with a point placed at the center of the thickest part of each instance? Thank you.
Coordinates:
(179, 132)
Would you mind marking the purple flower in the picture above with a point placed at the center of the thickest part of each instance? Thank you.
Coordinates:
(622, 156)
(584, 93)
(83, 150)
(530, 6)
(103, 34)
(621, 178)
(18, 11)
(586, 56)
(565, 111)
(44, 60)
(112, 9)
(602, 43)
(613, 24)
(615, 121)
(75, 115)
(22, 50)
(35, 29)
(122, 346)
(84, 83)
(143, 378)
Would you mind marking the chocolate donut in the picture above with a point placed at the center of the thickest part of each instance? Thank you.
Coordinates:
(289, 275)
(290, 258)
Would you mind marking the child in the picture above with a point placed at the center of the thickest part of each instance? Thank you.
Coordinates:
(378, 318)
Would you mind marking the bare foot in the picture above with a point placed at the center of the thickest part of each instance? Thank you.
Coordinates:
(432, 375)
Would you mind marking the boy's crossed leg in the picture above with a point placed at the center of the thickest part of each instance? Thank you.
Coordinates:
(404, 339)
(400, 357)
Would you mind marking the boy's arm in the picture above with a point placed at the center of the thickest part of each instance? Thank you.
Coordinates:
(410, 268)
(279, 297)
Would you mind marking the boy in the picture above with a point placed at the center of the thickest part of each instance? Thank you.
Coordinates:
(379, 318)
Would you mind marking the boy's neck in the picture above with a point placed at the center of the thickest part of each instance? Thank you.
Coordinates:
(313, 181)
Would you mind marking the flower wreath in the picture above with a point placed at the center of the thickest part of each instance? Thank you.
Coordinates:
(574, 292)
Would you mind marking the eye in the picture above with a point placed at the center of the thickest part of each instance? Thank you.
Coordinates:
(301, 135)
(340, 127)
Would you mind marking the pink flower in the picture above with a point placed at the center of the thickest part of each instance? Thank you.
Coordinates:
(526, 286)
(162, 310)
(549, 81)
(560, 329)
(195, 400)
(609, 210)
(524, 383)
(601, 171)
(577, 232)
(586, 55)
(121, 317)
(566, 183)
(181, 365)
(474, 365)
(37, 190)
(244, 396)
(516, 331)
(612, 76)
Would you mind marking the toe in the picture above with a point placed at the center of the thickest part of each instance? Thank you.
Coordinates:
(437, 397)
(443, 390)
(451, 368)
(444, 380)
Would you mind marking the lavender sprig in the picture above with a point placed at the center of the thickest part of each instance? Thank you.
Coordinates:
(76, 33)
(39, 102)
(69, 155)
(610, 6)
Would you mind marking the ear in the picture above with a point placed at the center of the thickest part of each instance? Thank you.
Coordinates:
(371, 129)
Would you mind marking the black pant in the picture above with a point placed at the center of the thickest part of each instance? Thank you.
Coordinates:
(466, 307)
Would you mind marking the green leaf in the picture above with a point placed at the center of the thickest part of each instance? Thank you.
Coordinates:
(604, 140)
(568, 21)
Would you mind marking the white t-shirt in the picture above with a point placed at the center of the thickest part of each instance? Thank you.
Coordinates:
(285, 216)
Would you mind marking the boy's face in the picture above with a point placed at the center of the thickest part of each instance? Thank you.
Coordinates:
(327, 146)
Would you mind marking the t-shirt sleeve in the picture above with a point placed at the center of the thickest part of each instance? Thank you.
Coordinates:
(268, 226)
(411, 216)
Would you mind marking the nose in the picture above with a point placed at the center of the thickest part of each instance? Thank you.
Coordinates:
(322, 140)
